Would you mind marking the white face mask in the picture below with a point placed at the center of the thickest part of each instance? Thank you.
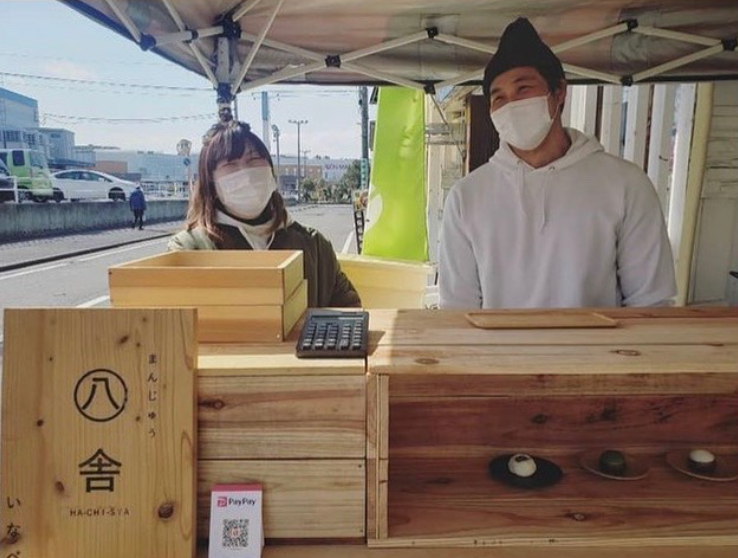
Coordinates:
(523, 124)
(246, 192)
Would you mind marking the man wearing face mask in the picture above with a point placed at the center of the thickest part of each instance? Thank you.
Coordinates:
(551, 221)
(235, 206)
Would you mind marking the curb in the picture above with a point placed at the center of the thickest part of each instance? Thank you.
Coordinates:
(57, 257)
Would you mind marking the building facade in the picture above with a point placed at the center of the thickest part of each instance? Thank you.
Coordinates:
(147, 166)
(19, 122)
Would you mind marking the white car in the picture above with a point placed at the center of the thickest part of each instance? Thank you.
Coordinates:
(92, 185)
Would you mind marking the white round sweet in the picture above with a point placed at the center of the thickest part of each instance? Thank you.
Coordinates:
(522, 465)
(703, 457)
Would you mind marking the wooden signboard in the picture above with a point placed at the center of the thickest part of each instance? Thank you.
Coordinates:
(98, 434)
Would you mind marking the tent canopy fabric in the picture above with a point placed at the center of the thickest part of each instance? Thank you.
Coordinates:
(249, 43)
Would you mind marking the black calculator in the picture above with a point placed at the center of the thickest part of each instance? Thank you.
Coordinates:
(334, 334)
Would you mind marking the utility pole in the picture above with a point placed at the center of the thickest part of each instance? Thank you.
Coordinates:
(364, 102)
(275, 133)
(265, 120)
(299, 123)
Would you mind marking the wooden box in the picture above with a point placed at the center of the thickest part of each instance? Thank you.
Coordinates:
(445, 398)
(386, 283)
(241, 296)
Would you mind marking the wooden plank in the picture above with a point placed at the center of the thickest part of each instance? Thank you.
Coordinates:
(377, 438)
(526, 360)
(160, 297)
(302, 499)
(251, 324)
(268, 360)
(294, 308)
(453, 525)
(445, 327)
(466, 425)
(240, 324)
(281, 417)
(706, 548)
(282, 269)
(98, 433)
(479, 385)
(131, 276)
(527, 320)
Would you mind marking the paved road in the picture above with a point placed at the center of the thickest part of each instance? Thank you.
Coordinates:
(81, 281)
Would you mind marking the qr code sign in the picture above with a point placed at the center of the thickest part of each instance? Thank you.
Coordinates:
(235, 533)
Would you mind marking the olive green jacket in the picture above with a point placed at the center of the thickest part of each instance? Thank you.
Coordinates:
(328, 286)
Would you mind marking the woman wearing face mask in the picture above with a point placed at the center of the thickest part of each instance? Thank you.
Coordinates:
(551, 221)
(235, 206)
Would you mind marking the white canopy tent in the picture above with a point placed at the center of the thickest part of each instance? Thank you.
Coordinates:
(244, 44)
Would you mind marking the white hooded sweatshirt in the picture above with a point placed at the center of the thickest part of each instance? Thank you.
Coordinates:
(584, 231)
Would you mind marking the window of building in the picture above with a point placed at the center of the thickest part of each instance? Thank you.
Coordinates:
(13, 136)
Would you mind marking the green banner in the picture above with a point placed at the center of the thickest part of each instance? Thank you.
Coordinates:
(396, 214)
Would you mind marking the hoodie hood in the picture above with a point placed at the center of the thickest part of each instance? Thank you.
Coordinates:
(534, 204)
(581, 147)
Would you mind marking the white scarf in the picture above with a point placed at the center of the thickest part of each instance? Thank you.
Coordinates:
(259, 237)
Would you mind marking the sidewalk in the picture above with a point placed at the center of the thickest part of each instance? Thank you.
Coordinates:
(14, 255)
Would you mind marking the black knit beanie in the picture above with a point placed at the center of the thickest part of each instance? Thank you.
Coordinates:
(520, 45)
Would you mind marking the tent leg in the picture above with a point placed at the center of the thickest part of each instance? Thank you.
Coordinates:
(637, 124)
(612, 115)
(659, 151)
(693, 194)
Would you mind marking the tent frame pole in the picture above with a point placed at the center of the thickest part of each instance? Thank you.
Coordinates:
(255, 49)
(125, 20)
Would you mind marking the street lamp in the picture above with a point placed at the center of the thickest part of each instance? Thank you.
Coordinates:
(275, 133)
(299, 123)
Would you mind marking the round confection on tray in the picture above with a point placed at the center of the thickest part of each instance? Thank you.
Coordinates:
(701, 461)
(612, 462)
(522, 465)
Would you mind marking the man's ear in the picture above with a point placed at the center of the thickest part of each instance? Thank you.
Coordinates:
(560, 95)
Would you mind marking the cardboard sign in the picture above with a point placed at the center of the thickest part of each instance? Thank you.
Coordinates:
(236, 526)
(98, 425)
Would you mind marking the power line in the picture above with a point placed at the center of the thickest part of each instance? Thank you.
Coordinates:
(108, 83)
(154, 120)
(85, 60)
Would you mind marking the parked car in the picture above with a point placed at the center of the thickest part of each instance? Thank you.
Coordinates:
(6, 184)
(32, 170)
(77, 185)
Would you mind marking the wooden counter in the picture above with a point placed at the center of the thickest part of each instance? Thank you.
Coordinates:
(395, 449)
(445, 398)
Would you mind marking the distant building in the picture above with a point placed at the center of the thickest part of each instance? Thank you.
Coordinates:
(145, 166)
(315, 168)
(19, 122)
(61, 149)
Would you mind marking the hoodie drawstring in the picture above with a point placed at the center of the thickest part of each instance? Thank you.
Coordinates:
(521, 187)
(544, 210)
(522, 193)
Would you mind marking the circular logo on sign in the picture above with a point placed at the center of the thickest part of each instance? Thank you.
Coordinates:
(100, 395)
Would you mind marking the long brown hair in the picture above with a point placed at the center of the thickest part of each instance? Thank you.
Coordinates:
(225, 141)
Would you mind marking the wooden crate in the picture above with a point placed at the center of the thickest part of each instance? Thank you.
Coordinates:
(98, 441)
(386, 283)
(438, 413)
(296, 426)
(241, 296)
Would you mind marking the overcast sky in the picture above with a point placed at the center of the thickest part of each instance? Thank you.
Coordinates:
(45, 39)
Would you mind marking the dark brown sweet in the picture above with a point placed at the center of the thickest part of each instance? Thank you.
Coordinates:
(613, 463)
